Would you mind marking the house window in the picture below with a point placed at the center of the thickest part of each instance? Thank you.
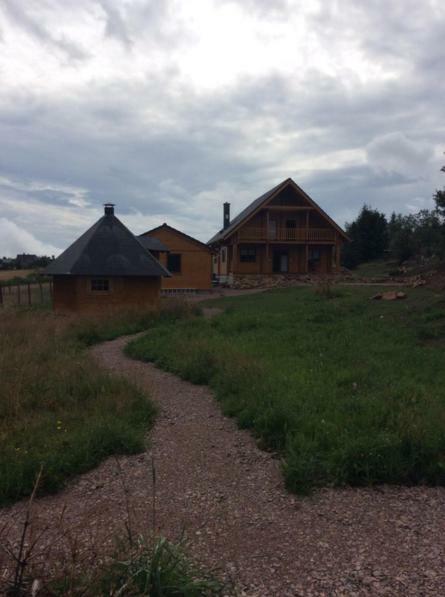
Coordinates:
(174, 263)
(314, 254)
(247, 254)
(100, 285)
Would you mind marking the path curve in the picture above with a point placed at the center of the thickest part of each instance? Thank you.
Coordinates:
(228, 496)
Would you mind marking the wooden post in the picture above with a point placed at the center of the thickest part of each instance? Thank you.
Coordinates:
(267, 268)
(1, 295)
(41, 291)
(306, 258)
(337, 257)
(18, 294)
(234, 257)
(29, 294)
(307, 225)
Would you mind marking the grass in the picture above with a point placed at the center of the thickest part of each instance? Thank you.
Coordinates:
(158, 569)
(57, 409)
(349, 391)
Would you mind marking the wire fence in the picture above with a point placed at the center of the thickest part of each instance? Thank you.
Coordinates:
(28, 294)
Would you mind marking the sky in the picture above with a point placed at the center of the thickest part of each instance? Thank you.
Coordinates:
(169, 108)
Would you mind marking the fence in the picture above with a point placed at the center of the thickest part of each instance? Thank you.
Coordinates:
(25, 293)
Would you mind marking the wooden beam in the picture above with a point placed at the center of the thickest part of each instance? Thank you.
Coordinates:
(306, 257)
(288, 208)
(234, 257)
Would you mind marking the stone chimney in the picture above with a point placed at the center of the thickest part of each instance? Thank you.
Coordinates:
(109, 209)
(226, 222)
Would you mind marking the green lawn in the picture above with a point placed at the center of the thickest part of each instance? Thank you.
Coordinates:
(347, 390)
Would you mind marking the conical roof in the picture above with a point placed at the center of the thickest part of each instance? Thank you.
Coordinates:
(108, 248)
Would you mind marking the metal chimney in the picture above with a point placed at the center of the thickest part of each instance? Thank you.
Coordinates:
(226, 222)
(109, 209)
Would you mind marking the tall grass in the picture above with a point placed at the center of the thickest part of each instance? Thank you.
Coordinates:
(349, 391)
(57, 409)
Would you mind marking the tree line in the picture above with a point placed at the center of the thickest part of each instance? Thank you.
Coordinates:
(403, 237)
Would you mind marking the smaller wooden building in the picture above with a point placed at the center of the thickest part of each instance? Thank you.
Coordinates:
(107, 268)
(187, 259)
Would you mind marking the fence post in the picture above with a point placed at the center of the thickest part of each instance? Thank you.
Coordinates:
(18, 294)
(29, 294)
(1, 295)
(41, 291)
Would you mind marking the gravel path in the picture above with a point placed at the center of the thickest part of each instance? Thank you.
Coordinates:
(214, 483)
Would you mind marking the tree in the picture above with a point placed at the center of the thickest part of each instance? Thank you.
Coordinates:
(439, 198)
(369, 236)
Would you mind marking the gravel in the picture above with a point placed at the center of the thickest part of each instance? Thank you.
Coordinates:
(215, 485)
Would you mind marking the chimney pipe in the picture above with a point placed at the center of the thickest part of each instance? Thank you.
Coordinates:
(109, 209)
(226, 222)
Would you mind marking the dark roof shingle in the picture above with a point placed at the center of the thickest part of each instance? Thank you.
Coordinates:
(108, 248)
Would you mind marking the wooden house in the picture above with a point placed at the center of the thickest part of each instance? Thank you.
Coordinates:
(107, 268)
(187, 259)
(282, 232)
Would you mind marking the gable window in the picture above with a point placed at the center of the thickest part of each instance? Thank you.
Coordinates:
(174, 263)
(100, 285)
(247, 254)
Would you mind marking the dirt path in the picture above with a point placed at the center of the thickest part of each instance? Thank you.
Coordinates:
(214, 483)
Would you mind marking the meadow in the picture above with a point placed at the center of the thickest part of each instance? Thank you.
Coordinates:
(58, 411)
(346, 390)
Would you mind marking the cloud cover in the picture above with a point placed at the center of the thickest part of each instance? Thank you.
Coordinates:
(168, 109)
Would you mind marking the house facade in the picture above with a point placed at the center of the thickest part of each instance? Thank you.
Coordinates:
(187, 259)
(282, 232)
(106, 269)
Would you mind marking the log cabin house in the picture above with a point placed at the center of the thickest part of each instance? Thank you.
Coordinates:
(282, 232)
(187, 259)
(107, 268)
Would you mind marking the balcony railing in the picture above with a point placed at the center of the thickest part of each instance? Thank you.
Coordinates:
(288, 234)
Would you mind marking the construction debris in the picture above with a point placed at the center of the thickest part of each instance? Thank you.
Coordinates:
(391, 295)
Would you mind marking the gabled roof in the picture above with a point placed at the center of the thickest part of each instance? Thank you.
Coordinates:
(108, 248)
(258, 203)
(152, 244)
(165, 226)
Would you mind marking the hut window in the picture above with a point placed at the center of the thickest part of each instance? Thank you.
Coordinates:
(247, 254)
(100, 285)
(174, 263)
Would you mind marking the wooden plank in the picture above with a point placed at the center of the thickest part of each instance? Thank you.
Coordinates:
(29, 294)
(1, 295)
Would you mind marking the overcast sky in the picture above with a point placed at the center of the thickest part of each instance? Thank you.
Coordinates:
(168, 108)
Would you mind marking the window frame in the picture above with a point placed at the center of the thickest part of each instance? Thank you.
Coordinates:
(100, 285)
(247, 254)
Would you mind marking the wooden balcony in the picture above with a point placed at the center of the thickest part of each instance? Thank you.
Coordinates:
(287, 234)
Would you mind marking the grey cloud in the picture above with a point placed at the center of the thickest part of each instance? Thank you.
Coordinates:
(15, 11)
(116, 26)
(159, 149)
